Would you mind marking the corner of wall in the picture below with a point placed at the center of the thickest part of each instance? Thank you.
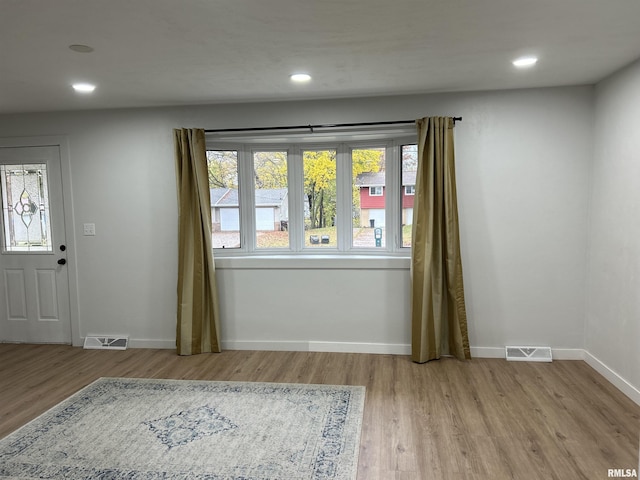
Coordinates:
(618, 381)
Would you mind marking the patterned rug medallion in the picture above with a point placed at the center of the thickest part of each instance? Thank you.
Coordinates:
(120, 428)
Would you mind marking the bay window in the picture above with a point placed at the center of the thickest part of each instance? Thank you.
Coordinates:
(295, 197)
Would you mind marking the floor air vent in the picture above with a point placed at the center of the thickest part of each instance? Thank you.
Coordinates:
(106, 343)
(529, 354)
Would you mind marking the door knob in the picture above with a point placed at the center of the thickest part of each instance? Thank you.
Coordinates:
(62, 261)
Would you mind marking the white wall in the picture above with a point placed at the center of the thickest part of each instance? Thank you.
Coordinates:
(613, 287)
(523, 160)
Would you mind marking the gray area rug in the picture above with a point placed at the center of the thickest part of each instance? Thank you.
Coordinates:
(119, 428)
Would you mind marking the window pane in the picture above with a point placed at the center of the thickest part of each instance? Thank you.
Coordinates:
(368, 197)
(271, 199)
(320, 198)
(25, 208)
(225, 206)
(409, 169)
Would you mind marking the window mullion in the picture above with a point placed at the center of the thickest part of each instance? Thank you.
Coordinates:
(392, 201)
(296, 199)
(343, 198)
(247, 199)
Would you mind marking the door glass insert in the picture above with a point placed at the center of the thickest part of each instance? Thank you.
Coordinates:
(25, 208)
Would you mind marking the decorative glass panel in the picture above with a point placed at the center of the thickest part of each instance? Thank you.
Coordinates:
(25, 208)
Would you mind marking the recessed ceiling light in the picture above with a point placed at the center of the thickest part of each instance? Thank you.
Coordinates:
(523, 62)
(300, 77)
(81, 48)
(83, 87)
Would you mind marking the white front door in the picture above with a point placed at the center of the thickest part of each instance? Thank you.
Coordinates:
(34, 282)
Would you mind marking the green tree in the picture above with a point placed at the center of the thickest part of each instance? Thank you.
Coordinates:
(270, 169)
(223, 168)
(367, 160)
(320, 181)
(320, 186)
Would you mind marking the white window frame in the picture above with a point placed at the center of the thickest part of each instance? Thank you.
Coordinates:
(374, 189)
(409, 193)
(295, 175)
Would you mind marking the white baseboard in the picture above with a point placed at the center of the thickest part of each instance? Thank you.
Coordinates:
(556, 353)
(275, 346)
(619, 382)
(352, 347)
(487, 352)
(346, 347)
(286, 346)
(568, 353)
(302, 346)
(148, 343)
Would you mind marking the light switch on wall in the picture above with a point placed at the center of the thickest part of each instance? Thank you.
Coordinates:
(89, 229)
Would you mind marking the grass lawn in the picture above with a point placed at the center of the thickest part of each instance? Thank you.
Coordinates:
(331, 231)
(275, 239)
(278, 239)
(281, 239)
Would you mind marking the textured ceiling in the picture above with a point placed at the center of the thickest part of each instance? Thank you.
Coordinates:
(176, 52)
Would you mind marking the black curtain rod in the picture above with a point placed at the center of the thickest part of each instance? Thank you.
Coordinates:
(312, 127)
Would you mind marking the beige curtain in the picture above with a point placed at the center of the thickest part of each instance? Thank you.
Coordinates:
(198, 318)
(439, 319)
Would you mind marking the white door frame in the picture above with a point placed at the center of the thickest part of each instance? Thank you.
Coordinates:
(62, 143)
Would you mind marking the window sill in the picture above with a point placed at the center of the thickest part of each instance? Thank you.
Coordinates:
(314, 262)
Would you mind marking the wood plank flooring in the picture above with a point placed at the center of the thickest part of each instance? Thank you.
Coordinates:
(484, 419)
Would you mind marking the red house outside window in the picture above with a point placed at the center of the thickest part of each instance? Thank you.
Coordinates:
(373, 193)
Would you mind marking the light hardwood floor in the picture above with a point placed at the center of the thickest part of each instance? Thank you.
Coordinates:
(483, 419)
